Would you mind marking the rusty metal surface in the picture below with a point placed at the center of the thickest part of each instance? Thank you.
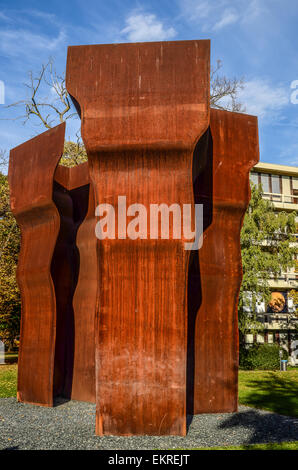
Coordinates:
(72, 177)
(50, 205)
(31, 169)
(140, 95)
(84, 305)
(144, 328)
(74, 351)
(223, 187)
(143, 107)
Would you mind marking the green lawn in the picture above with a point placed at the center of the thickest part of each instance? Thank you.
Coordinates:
(273, 391)
(8, 380)
(270, 446)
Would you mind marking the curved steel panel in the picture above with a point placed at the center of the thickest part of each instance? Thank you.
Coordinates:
(31, 170)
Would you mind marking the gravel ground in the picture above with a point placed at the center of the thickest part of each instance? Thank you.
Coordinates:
(71, 426)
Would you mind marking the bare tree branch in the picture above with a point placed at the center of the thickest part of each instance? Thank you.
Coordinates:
(224, 91)
(49, 103)
(47, 109)
(3, 160)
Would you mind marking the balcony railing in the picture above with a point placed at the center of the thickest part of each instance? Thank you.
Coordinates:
(282, 198)
(289, 276)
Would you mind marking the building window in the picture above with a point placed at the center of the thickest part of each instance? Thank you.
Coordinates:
(254, 178)
(271, 184)
(265, 182)
(270, 338)
(249, 339)
(276, 187)
(275, 184)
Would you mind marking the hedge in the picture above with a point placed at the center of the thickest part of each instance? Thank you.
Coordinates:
(261, 356)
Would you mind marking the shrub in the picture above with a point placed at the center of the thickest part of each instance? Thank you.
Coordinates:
(261, 356)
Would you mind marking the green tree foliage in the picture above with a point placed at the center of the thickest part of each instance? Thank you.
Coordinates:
(9, 248)
(74, 154)
(267, 249)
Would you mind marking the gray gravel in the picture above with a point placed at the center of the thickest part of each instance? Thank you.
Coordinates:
(71, 426)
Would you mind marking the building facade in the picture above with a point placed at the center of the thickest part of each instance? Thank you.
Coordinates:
(280, 185)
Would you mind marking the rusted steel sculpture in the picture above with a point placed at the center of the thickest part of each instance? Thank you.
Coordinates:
(223, 188)
(142, 327)
(143, 108)
(31, 173)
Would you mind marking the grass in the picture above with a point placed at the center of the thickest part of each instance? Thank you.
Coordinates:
(269, 446)
(270, 390)
(8, 381)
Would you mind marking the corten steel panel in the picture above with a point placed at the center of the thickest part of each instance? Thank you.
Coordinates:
(71, 267)
(64, 271)
(84, 305)
(31, 170)
(72, 177)
(143, 108)
(223, 188)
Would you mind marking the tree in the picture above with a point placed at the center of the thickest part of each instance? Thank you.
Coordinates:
(267, 249)
(3, 159)
(224, 91)
(74, 154)
(48, 104)
(10, 304)
(48, 100)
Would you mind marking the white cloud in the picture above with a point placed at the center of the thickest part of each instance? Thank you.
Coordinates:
(23, 42)
(214, 15)
(146, 27)
(254, 9)
(3, 16)
(263, 99)
(228, 17)
(195, 9)
(289, 155)
(49, 17)
(293, 162)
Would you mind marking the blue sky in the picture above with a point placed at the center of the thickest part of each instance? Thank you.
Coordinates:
(255, 39)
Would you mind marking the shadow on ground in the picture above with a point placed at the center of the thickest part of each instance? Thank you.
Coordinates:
(274, 392)
(262, 427)
(71, 425)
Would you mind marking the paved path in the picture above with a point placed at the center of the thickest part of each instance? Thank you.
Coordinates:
(71, 426)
